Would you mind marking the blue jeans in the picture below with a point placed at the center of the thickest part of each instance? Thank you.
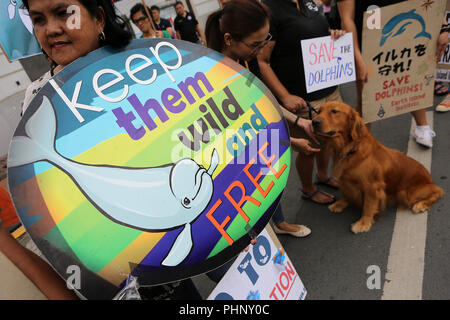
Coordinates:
(278, 216)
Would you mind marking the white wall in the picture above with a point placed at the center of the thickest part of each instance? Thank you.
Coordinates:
(13, 78)
(13, 83)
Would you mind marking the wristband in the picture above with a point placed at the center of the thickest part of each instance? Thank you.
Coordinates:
(296, 120)
(445, 28)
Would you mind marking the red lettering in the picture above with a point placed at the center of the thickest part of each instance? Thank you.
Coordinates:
(313, 53)
(282, 294)
(273, 295)
(284, 276)
(219, 227)
(290, 271)
(237, 205)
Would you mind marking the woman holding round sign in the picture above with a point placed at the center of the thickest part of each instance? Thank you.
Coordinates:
(62, 45)
(239, 31)
(159, 159)
(64, 41)
(282, 71)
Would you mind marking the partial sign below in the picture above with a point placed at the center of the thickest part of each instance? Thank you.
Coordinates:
(265, 272)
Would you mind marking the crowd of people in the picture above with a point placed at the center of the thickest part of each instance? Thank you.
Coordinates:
(150, 23)
(262, 36)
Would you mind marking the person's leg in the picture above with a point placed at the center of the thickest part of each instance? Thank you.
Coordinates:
(280, 223)
(281, 226)
(322, 159)
(359, 91)
(305, 165)
(423, 133)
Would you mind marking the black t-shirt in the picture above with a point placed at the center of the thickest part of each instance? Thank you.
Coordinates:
(163, 24)
(361, 7)
(288, 26)
(186, 26)
(253, 67)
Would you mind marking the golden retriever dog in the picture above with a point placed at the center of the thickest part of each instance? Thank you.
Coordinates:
(370, 175)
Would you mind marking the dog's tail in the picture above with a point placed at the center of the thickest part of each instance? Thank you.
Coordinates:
(422, 198)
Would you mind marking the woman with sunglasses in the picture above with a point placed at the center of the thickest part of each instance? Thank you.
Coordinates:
(282, 71)
(239, 31)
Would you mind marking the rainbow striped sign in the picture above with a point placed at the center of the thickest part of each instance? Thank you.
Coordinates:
(157, 160)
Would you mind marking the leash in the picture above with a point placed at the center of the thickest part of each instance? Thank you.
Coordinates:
(310, 110)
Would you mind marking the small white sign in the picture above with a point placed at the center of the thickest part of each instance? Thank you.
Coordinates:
(265, 272)
(328, 62)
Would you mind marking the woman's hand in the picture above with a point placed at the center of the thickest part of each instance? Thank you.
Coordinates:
(361, 70)
(336, 34)
(293, 103)
(306, 125)
(304, 146)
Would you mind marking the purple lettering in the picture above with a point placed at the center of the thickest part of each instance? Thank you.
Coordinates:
(143, 111)
(124, 120)
(169, 98)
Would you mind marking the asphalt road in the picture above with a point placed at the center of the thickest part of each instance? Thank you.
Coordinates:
(333, 262)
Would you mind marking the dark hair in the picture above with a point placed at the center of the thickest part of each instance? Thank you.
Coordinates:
(177, 3)
(139, 7)
(154, 8)
(117, 33)
(239, 18)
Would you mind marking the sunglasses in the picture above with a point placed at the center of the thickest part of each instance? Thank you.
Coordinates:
(258, 46)
(139, 20)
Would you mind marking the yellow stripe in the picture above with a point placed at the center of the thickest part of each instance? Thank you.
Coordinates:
(118, 269)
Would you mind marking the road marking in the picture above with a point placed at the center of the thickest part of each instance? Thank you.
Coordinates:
(404, 276)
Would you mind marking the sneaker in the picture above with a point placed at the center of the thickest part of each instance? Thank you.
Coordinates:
(424, 136)
(444, 106)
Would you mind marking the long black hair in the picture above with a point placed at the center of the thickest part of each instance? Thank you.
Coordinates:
(239, 18)
(117, 33)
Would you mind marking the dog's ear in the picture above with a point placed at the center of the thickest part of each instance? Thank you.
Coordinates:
(356, 125)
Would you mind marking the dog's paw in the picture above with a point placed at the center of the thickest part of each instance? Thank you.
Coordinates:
(338, 206)
(419, 207)
(361, 226)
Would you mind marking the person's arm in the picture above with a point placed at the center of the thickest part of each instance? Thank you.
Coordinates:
(170, 31)
(442, 42)
(200, 33)
(34, 268)
(347, 12)
(291, 102)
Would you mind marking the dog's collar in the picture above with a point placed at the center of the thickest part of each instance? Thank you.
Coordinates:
(352, 151)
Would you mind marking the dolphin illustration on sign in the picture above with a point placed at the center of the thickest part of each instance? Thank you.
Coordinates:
(149, 199)
(390, 27)
(23, 14)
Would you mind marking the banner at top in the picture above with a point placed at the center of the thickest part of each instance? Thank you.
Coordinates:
(16, 34)
(155, 160)
(399, 48)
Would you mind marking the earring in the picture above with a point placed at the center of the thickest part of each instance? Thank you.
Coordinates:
(102, 36)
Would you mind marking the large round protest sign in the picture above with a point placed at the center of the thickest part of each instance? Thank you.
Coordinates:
(159, 160)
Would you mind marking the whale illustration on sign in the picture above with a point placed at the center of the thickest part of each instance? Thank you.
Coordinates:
(149, 199)
(404, 19)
